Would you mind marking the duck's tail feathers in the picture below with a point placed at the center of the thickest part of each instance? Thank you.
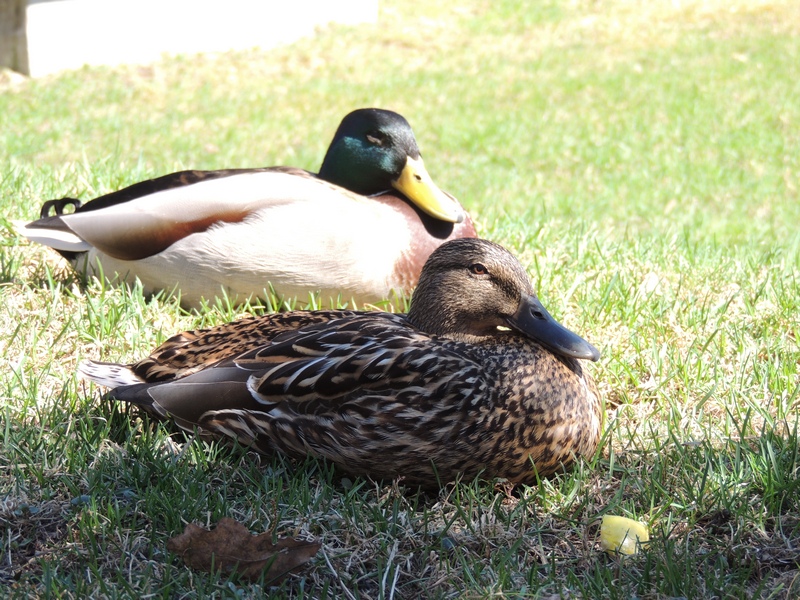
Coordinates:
(57, 207)
(111, 375)
(51, 232)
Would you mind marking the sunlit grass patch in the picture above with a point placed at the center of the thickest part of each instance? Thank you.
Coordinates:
(642, 161)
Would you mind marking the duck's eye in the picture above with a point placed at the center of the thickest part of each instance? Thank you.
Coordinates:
(376, 138)
(478, 269)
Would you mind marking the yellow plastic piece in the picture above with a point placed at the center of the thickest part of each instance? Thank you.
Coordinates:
(620, 535)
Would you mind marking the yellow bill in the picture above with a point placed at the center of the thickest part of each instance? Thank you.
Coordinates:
(418, 186)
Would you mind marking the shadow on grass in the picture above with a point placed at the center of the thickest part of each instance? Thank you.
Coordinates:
(94, 488)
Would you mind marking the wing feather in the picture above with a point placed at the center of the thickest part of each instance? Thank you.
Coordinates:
(369, 364)
(133, 228)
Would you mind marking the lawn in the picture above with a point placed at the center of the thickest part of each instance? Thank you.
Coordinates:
(642, 159)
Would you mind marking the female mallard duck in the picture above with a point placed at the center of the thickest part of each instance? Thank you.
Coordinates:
(477, 379)
(240, 230)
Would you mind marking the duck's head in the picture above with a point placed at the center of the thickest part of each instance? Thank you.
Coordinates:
(375, 150)
(472, 288)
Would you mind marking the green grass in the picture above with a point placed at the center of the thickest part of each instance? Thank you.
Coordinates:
(642, 160)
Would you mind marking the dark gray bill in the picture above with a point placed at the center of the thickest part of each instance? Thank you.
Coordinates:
(534, 321)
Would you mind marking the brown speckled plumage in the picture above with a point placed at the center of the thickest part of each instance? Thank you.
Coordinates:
(476, 380)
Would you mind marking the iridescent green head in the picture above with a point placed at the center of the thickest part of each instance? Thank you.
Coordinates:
(375, 150)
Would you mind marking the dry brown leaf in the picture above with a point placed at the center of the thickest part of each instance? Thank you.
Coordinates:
(230, 547)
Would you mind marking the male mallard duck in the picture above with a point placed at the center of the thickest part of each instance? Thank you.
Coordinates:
(341, 232)
(477, 379)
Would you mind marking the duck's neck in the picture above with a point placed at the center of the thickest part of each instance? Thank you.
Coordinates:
(429, 317)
